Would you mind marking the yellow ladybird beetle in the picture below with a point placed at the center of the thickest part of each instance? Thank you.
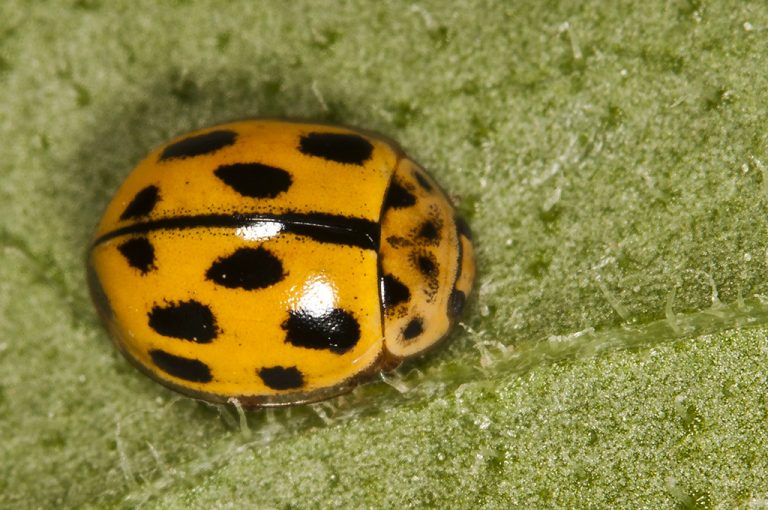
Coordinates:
(278, 262)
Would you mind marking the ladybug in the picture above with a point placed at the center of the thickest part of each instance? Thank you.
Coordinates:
(278, 262)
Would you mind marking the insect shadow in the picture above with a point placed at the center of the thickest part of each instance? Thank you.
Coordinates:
(178, 102)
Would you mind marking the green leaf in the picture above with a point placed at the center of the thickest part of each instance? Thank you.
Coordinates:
(611, 158)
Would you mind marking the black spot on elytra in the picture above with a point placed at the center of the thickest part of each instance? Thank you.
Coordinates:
(339, 147)
(423, 182)
(427, 265)
(456, 303)
(247, 268)
(184, 368)
(255, 179)
(395, 292)
(282, 378)
(398, 197)
(139, 253)
(429, 231)
(414, 328)
(198, 145)
(463, 228)
(142, 204)
(188, 320)
(338, 330)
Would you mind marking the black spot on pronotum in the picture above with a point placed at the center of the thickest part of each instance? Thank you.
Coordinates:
(394, 292)
(423, 182)
(427, 265)
(255, 180)
(339, 147)
(456, 303)
(463, 228)
(184, 368)
(398, 197)
(188, 320)
(429, 231)
(142, 204)
(398, 242)
(414, 328)
(139, 253)
(337, 330)
(282, 378)
(247, 268)
(198, 145)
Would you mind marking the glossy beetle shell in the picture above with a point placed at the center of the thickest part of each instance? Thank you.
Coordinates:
(278, 262)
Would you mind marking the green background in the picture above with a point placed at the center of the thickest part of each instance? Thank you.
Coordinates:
(611, 158)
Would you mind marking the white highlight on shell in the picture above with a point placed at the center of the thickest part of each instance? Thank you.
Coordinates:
(318, 296)
(259, 230)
